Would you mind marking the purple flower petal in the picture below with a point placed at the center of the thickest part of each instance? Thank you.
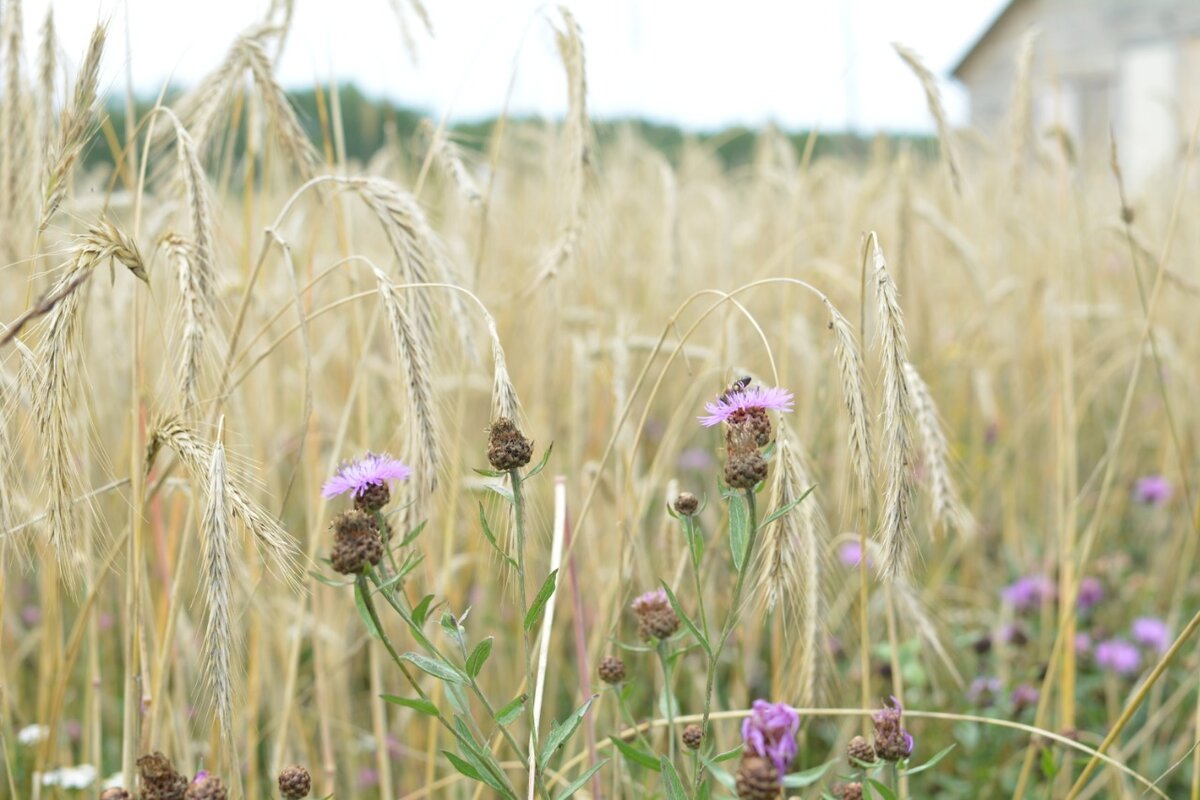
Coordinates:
(370, 470)
(756, 398)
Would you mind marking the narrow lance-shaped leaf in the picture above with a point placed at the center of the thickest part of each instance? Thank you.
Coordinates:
(539, 602)
(560, 734)
(687, 621)
(739, 530)
(479, 656)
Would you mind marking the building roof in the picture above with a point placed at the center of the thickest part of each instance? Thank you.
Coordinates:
(983, 37)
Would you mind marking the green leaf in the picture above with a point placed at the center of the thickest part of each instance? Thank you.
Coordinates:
(721, 775)
(798, 780)
(739, 530)
(502, 490)
(410, 563)
(539, 602)
(510, 712)
(779, 512)
(423, 706)
(319, 578)
(412, 535)
(687, 621)
(541, 465)
(634, 648)
(479, 656)
(1049, 768)
(671, 780)
(577, 784)
(491, 537)
(473, 769)
(488, 473)
(559, 734)
(421, 612)
(636, 755)
(883, 789)
(438, 669)
(936, 758)
(361, 602)
(729, 754)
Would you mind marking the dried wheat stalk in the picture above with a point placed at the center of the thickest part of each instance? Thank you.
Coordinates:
(854, 395)
(277, 549)
(55, 360)
(895, 530)
(217, 576)
(948, 509)
(934, 99)
(76, 123)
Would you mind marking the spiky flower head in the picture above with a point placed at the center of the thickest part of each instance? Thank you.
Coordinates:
(656, 618)
(740, 405)
(892, 742)
(770, 732)
(745, 466)
(160, 780)
(757, 778)
(612, 670)
(294, 782)
(686, 504)
(364, 477)
(206, 787)
(507, 446)
(860, 751)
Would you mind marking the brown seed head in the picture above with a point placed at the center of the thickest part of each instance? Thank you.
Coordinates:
(507, 446)
(612, 669)
(656, 619)
(692, 736)
(294, 782)
(373, 498)
(686, 504)
(860, 750)
(355, 545)
(115, 793)
(757, 779)
(160, 781)
(745, 466)
(208, 787)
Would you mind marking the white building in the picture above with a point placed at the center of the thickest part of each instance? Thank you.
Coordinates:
(1132, 65)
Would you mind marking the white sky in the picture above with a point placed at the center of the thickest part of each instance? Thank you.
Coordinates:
(698, 63)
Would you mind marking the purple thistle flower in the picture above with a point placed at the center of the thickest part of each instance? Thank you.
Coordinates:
(892, 741)
(1083, 642)
(1118, 656)
(746, 401)
(1152, 633)
(357, 476)
(850, 554)
(1025, 696)
(1028, 592)
(653, 599)
(983, 690)
(1152, 490)
(201, 776)
(1091, 592)
(770, 732)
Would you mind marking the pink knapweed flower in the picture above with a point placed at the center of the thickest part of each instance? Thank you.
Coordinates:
(1028, 592)
(1118, 655)
(370, 470)
(1152, 633)
(770, 732)
(1091, 592)
(754, 399)
(1152, 490)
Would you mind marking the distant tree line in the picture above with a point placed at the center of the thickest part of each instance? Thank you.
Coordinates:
(366, 123)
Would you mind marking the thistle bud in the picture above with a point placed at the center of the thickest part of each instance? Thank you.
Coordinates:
(757, 779)
(507, 446)
(612, 670)
(745, 466)
(693, 736)
(294, 782)
(686, 504)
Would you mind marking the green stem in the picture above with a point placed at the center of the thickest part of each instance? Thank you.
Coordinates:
(668, 693)
(629, 718)
(519, 523)
(727, 627)
(364, 590)
(689, 530)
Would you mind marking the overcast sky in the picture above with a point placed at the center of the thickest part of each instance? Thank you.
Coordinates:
(698, 63)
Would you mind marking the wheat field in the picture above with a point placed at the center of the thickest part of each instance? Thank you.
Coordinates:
(991, 359)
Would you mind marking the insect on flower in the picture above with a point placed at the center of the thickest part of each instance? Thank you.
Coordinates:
(737, 387)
